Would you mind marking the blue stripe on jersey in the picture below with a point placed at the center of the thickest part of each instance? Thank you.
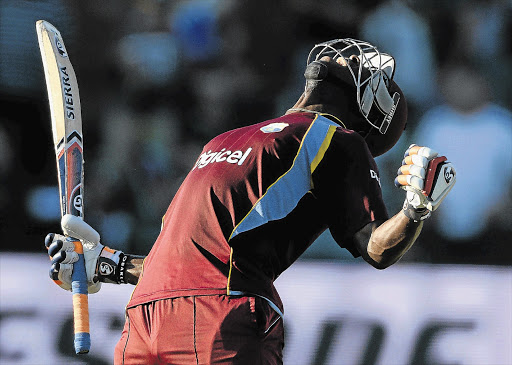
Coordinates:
(285, 193)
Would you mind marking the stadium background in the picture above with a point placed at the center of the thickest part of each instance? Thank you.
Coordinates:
(159, 78)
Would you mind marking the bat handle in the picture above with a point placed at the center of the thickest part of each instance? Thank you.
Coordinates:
(80, 302)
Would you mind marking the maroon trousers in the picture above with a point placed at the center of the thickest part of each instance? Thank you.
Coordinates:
(202, 330)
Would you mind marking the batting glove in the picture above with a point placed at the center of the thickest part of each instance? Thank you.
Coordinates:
(427, 178)
(102, 264)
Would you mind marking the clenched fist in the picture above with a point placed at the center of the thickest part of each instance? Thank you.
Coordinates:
(427, 178)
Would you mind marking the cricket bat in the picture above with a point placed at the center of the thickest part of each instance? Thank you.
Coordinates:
(66, 121)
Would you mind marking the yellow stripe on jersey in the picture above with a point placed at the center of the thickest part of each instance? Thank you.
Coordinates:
(323, 148)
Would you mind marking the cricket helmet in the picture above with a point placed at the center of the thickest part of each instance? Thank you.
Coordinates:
(380, 101)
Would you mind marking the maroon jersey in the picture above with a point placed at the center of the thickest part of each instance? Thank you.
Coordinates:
(256, 199)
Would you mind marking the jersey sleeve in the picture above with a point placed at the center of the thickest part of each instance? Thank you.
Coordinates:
(347, 184)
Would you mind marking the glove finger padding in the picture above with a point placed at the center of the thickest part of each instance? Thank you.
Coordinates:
(56, 243)
(412, 170)
(410, 181)
(61, 275)
(426, 152)
(62, 252)
(426, 177)
(412, 173)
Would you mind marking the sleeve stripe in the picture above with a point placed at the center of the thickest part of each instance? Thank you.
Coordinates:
(323, 148)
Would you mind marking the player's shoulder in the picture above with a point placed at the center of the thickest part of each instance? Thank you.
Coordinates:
(350, 148)
(348, 138)
(324, 125)
(281, 123)
(285, 124)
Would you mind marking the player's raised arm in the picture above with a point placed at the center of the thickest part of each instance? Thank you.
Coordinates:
(353, 81)
(103, 264)
(427, 179)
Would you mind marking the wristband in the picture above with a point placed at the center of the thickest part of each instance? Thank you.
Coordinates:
(122, 268)
(111, 266)
(416, 214)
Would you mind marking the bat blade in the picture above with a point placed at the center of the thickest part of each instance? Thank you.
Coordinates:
(65, 111)
(66, 118)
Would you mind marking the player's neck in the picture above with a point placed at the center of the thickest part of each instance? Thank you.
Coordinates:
(318, 101)
(315, 108)
(328, 115)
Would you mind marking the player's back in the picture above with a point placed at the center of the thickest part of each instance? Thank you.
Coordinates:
(235, 223)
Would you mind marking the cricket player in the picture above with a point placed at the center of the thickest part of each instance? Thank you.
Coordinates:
(254, 201)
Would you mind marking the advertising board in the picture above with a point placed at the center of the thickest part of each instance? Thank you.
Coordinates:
(335, 313)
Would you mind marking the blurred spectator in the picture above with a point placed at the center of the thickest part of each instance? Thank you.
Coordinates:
(405, 34)
(481, 30)
(195, 25)
(148, 59)
(483, 35)
(476, 135)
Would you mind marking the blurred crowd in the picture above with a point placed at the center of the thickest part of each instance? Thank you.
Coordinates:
(158, 79)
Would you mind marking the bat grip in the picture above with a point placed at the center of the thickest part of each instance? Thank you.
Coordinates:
(80, 302)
